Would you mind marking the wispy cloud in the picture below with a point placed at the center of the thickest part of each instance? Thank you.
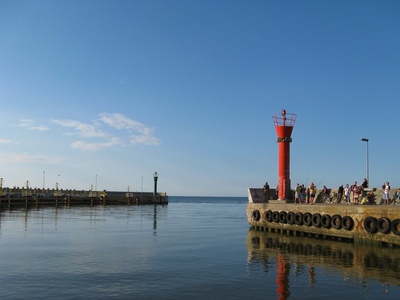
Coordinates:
(144, 139)
(81, 129)
(130, 132)
(30, 124)
(3, 141)
(32, 158)
(82, 145)
(144, 134)
(119, 121)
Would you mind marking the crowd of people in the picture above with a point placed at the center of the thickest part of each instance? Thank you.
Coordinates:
(305, 195)
(344, 193)
(354, 194)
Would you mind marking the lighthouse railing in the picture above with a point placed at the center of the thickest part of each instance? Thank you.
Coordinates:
(286, 119)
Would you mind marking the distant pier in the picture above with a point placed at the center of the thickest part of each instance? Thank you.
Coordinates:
(21, 196)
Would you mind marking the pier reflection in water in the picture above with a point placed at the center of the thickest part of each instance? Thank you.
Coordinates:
(35, 217)
(295, 260)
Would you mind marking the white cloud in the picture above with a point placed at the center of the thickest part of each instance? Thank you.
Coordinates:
(82, 129)
(130, 132)
(144, 139)
(119, 121)
(30, 124)
(82, 145)
(3, 141)
(25, 123)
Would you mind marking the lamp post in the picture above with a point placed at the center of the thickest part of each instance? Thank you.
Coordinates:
(27, 188)
(155, 175)
(367, 140)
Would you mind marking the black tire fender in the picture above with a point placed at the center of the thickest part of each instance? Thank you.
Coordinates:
(316, 220)
(383, 225)
(268, 215)
(395, 226)
(326, 221)
(307, 219)
(275, 216)
(256, 215)
(290, 218)
(298, 218)
(336, 221)
(347, 222)
(282, 217)
(370, 224)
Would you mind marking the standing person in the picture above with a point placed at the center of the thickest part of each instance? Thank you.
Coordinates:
(364, 184)
(357, 192)
(325, 195)
(339, 194)
(347, 191)
(312, 189)
(297, 192)
(325, 190)
(354, 189)
(303, 194)
(266, 191)
(386, 194)
(308, 195)
(383, 193)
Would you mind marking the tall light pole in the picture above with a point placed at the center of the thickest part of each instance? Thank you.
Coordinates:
(44, 174)
(367, 140)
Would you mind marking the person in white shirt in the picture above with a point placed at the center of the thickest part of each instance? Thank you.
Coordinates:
(386, 194)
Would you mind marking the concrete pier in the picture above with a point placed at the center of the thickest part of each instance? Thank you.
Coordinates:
(362, 223)
(14, 197)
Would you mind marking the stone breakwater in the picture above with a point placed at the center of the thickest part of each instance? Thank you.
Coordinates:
(363, 223)
(73, 197)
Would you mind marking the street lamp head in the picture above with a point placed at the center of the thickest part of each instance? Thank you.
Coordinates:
(365, 140)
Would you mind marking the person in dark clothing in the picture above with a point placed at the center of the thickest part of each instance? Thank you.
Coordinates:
(339, 194)
(266, 191)
(364, 184)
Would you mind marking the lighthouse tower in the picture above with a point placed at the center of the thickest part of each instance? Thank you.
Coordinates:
(284, 123)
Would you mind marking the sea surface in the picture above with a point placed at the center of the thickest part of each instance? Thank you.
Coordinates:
(192, 248)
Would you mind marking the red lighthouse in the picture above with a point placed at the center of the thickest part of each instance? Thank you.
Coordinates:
(284, 123)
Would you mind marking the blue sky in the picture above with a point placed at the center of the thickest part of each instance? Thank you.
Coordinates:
(116, 90)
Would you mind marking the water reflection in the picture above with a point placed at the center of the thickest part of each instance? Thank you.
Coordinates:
(39, 216)
(155, 220)
(284, 254)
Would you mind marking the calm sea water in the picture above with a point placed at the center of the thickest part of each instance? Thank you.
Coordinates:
(192, 248)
